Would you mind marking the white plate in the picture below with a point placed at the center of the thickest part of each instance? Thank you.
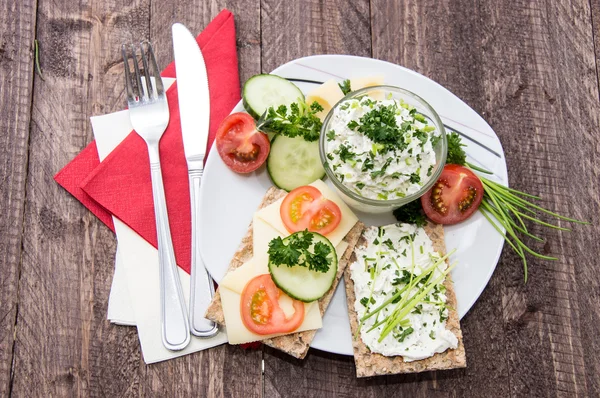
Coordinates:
(229, 199)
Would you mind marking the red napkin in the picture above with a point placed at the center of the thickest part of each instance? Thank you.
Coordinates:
(121, 185)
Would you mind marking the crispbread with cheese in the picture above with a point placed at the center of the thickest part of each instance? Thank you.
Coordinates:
(373, 364)
(295, 344)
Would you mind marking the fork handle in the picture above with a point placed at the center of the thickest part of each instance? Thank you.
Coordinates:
(174, 319)
(202, 289)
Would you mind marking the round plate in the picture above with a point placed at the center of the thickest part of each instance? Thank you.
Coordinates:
(228, 200)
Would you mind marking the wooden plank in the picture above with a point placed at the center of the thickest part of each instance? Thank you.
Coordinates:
(17, 29)
(291, 30)
(65, 345)
(595, 10)
(296, 29)
(529, 70)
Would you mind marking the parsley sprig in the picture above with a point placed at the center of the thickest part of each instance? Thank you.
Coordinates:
(380, 126)
(295, 251)
(345, 86)
(411, 213)
(297, 120)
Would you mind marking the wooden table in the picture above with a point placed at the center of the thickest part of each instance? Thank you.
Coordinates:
(529, 68)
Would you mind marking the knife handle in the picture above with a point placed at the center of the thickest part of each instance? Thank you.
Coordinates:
(203, 288)
(175, 326)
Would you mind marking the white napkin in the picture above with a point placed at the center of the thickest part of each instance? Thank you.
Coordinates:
(120, 310)
(135, 294)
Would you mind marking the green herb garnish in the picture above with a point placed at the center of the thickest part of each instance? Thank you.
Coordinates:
(299, 120)
(345, 86)
(411, 213)
(345, 153)
(380, 126)
(36, 49)
(402, 335)
(295, 251)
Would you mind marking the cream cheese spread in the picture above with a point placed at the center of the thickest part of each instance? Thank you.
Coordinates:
(394, 257)
(380, 149)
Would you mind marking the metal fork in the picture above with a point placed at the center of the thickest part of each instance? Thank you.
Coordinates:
(149, 114)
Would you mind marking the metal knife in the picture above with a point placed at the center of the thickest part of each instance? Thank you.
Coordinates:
(194, 111)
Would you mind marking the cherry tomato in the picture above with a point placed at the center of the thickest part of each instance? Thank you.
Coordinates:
(242, 147)
(306, 208)
(260, 308)
(454, 197)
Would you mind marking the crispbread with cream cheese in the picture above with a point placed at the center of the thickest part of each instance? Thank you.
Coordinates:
(295, 344)
(373, 364)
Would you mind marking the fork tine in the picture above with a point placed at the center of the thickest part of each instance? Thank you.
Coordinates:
(160, 89)
(138, 76)
(129, 88)
(149, 87)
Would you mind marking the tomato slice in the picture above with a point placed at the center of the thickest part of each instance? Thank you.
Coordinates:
(260, 308)
(454, 197)
(241, 146)
(306, 208)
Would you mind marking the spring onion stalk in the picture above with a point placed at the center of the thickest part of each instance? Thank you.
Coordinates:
(391, 319)
(413, 302)
(415, 281)
(36, 49)
(507, 208)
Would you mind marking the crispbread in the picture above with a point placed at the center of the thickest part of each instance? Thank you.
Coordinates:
(295, 344)
(372, 364)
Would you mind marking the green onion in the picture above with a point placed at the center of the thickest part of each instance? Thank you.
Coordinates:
(36, 47)
(507, 208)
(399, 293)
(413, 302)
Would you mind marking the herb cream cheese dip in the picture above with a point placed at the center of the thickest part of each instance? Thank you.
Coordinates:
(380, 149)
(399, 262)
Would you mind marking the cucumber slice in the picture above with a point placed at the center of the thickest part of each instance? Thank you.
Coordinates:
(300, 283)
(263, 91)
(294, 162)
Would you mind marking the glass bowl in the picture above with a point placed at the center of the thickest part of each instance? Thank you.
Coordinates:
(369, 205)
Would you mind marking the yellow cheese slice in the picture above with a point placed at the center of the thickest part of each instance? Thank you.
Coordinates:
(327, 94)
(369, 81)
(236, 280)
(262, 234)
(357, 83)
(232, 286)
(271, 215)
(236, 330)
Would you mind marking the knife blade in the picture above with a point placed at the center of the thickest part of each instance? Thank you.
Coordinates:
(194, 111)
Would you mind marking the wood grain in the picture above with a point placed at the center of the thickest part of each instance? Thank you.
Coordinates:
(547, 321)
(532, 82)
(296, 29)
(17, 29)
(529, 67)
(65, 346)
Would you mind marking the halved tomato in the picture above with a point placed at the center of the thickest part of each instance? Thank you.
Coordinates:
(306, 208)
(260, 309)
(242, 147)
(454, 197)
